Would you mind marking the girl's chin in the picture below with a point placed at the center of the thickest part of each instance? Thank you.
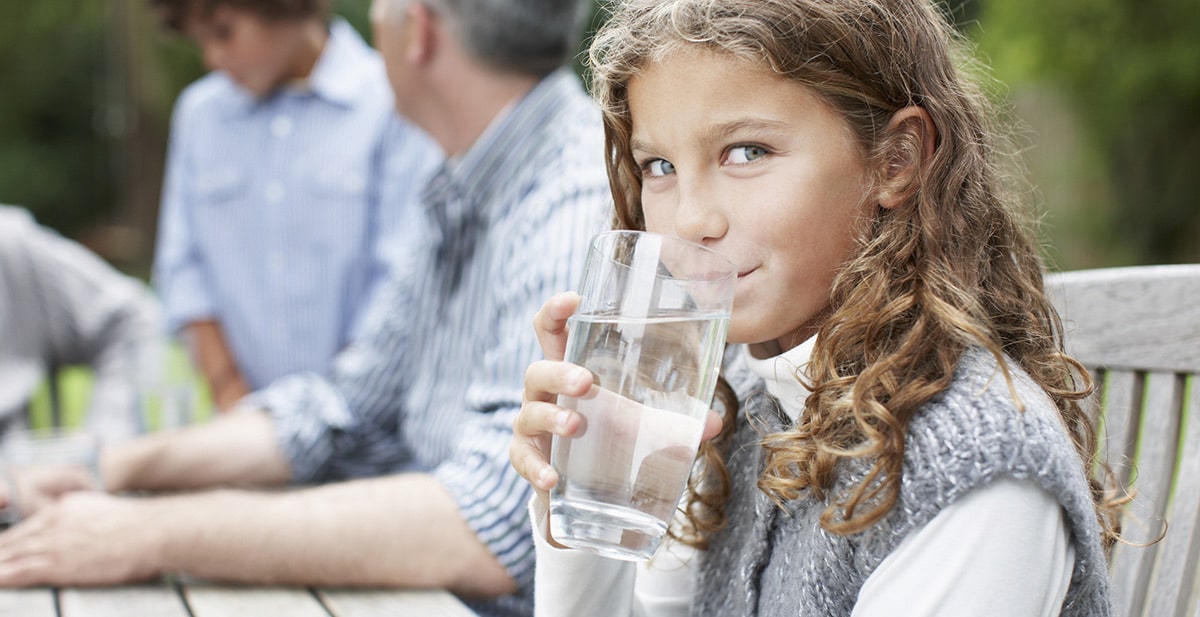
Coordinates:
(738, 336)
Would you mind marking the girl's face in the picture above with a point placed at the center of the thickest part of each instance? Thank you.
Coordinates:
(256, 53)
(757, 168)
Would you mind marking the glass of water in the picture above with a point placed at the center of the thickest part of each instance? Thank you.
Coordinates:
(651, 329)
(53, 460)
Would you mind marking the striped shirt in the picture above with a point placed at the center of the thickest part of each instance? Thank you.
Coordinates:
(435, 383)
(62, 305)
(277, 212)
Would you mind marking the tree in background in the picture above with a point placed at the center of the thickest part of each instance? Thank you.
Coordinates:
(53, 151)
(84, 117)
(1129, 76)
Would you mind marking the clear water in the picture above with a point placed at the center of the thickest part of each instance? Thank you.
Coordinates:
(622, 475)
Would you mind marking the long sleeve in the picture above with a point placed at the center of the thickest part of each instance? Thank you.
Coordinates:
(571, 583)
(1019, 563)
(98, 317)
(574, 583)
(349, 423)
(178, 269)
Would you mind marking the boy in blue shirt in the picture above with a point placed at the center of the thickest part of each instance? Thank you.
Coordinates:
(287, 172)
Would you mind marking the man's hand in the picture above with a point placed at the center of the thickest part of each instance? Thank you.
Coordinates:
(84, 538)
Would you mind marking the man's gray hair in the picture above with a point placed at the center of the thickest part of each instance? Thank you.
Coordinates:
(530, 37)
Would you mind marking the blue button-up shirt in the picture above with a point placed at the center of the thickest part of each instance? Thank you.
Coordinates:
(278, 212)
(435, 383)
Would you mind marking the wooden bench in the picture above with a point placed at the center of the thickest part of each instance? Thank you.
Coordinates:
(1137, 329)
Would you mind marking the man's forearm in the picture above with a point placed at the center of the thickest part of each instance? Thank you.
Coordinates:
(230, 450)
(394, 531)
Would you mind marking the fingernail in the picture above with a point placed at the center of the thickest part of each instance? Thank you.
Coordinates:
(562, 419)
(546, 478)
(581, 375)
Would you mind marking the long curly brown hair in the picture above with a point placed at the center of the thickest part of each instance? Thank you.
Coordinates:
(953, 266)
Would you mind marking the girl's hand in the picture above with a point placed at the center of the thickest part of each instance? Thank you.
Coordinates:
(540, 417)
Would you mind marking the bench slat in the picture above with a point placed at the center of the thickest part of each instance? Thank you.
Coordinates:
(1144, 317)
(1173, 582)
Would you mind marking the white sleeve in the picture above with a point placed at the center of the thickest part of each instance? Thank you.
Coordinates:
(1001, 550)
(576, 583)
(579, 584)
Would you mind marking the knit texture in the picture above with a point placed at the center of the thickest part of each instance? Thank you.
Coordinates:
(774, 561)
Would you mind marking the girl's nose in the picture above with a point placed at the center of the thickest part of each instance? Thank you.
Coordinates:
(700, 217)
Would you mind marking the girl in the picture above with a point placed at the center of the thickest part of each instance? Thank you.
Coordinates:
(901, 432)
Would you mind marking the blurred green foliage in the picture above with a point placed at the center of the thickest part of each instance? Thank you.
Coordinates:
(52, 146)
(1109, 88)
(1129, 72)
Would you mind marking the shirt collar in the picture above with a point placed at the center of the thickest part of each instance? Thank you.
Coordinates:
(341, 72)
(782, 374)
(344, 68)
(489, 165)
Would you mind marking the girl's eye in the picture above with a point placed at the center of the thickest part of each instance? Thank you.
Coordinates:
(658, 167)
(740, 155)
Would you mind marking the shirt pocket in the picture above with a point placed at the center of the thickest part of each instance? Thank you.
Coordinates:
(221, 186)
(339, 185)
(340, 208)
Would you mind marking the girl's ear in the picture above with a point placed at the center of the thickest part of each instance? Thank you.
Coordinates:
(911, 139)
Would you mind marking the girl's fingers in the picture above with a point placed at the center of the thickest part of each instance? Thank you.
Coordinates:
(550, 324)
(529, 452)
(539, 420)
(545, 380)
(712, 426)
(531, 463)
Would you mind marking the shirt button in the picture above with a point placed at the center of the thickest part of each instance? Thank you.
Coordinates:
(281, 126)
(274, 191)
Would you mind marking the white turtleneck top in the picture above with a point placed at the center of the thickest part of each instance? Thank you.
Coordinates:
(1001, 550)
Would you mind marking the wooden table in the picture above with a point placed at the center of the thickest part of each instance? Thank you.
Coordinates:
(196, 599)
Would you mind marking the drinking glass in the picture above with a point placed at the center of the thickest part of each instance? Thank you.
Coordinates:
(166, 405)
(651, 329)
(36, 451)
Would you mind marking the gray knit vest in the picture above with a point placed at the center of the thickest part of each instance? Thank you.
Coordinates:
(771, 561)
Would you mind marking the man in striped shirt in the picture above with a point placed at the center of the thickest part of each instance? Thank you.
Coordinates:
(421, 407)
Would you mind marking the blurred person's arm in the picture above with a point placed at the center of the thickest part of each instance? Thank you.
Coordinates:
(179, 272)
(216, 362)
(316, 536)
(94, 316)
(237, 449)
